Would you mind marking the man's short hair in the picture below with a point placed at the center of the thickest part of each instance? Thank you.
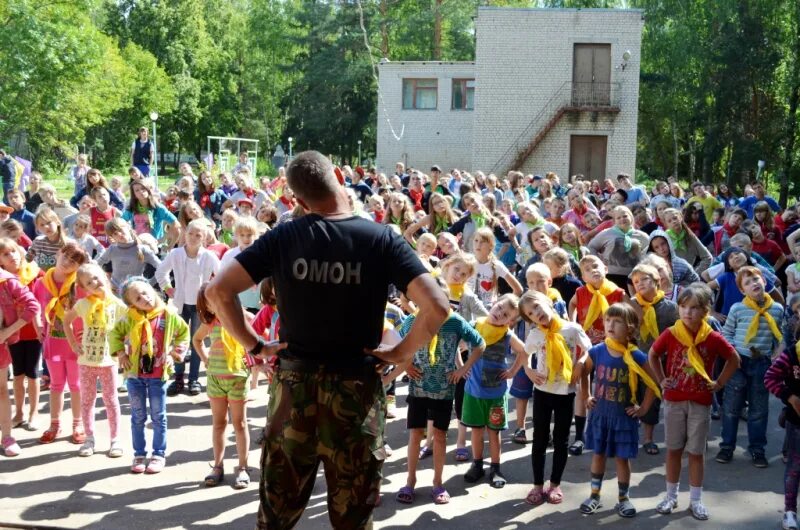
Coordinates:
(310, 175)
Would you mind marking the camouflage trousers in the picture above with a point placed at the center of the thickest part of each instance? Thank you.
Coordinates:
(318, 416)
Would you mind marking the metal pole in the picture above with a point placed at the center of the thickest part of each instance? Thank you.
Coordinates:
(155, 155)
(359, 152)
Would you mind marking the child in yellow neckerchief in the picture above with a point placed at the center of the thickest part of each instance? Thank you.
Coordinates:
(656, 314)
(99, 311)
(147, 341)
(691, 348)
(753, 327)
(228, 373)
(56, 295)
(613, 427)
(485, 394)
(555, 345)
(589, 305)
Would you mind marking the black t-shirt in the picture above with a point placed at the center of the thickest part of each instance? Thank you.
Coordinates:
(331, 278)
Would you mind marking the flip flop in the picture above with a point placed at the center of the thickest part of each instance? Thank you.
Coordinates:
(425, 452)
(440, 495)
(405, 495)
(651, 448)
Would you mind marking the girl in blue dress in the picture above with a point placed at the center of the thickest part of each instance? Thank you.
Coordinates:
(612, 430)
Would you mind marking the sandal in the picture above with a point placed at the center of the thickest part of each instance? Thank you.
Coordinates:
(519, 437)
(17, 422)
(496, 479)
(242, 479)
(50, 434)
(475, 473)
(405, 495)
(462, 454)
(440, 495)
(651, 448)
(625, 509)
(554, 495)
(590, 506)
(576, 449)
(536, 497)
(425, 452)
(215, 477)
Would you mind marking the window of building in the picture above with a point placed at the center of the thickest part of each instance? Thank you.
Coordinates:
(420, 94)
(463, 94)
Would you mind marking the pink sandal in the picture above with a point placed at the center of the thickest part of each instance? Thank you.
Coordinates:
(536, 497)
(554, 495)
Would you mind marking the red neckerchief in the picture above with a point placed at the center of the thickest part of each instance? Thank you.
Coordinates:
(205, 200)
(694, 226)
(250, 193)
(416, 196)
(379, 216)
(659, 223)
(729, 230)
(287, 202)
(581, 211)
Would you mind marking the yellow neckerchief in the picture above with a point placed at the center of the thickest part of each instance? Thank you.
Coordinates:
(557, 351)
(435, 341)
(96, 316)
(761, 312)
(234, 352)
(28, 271)
(599, 304)
(649, 321)
(634, 370)
(456, 291)
(141, 322)
(490, 333)
(554, 295)
(682, 335)
(55, 307)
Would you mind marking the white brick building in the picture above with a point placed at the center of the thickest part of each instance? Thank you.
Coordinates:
(552, 90)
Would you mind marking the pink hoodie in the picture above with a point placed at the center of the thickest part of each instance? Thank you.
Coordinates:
(16, 302)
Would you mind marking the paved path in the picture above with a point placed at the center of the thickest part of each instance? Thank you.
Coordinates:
(50, 486)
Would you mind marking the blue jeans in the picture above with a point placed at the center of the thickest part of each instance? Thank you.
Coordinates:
(140, 391)
(746, 384)
(189, 314)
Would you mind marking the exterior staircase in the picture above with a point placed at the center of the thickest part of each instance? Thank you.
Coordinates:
(569, 98)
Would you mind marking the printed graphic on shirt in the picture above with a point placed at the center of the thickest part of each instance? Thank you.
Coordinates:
(611, 384)
(141, 223)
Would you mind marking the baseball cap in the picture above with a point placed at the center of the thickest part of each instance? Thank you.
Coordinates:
(244, 200)
(436, 168)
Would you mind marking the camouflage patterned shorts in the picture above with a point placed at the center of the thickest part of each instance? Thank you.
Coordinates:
(313, 417)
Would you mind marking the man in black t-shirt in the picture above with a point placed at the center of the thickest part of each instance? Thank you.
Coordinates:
(331, 271)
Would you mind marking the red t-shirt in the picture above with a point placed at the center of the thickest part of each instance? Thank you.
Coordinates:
(769, 250)
(688, 386)
(219, 249)
(98, 223)
(597, 333)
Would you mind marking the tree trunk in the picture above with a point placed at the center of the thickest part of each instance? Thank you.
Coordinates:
(437, 30)
(384, 10)
(791, 122)
(692, 155)
(675, 153)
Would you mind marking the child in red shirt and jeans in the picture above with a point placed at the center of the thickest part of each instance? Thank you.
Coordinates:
(691, 348)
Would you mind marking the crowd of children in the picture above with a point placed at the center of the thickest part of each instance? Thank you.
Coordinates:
(596, 313)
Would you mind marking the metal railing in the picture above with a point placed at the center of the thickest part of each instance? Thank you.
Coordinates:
(568, 95)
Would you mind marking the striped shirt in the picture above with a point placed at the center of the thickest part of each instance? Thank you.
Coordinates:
(217, 364)
(738, 321)
(43, 252)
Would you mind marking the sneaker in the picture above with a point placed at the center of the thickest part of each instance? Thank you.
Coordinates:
(789, 521)
(667, 505)
(760, 461)
(391, 407)
(156, 465)
(744, 413)
(138, 465)
(175, 387)
(195, 388)
(11, 447)
(78, 435)
(50, 434)
(576, 449)
(715, 414)
(475, 473)
(724, 456)
(388, 450)
(242, 479)
(699, 511)
(115, 451)
(87, 449)
(122, 389)
(519, 437)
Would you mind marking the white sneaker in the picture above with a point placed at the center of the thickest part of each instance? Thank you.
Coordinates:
(87, 449)
(789, 521)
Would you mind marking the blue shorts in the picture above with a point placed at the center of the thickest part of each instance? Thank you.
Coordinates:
(144, 168)
(521, 385)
